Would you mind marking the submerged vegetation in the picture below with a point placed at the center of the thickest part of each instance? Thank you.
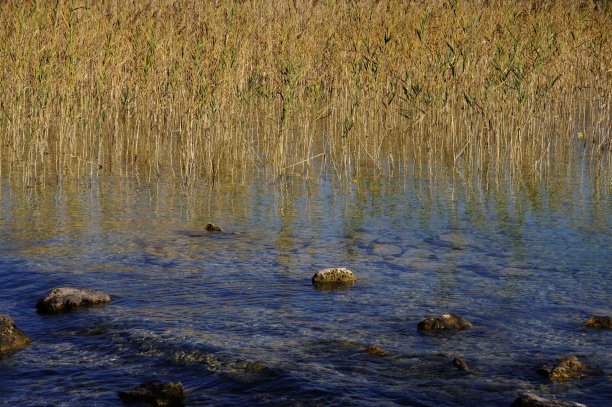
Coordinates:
(220, 90)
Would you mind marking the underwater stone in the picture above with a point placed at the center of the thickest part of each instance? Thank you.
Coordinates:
(213, 228)
(377, 351)
(444, 322)
(531, 400)
(598, 322)
(65, 299)
(11, 337)
(387, 250)
(156, 393)
(460, 364)
(249, 371)
(334, 276)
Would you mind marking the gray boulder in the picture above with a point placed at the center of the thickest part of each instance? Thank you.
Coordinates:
(334, 276)
(156, 393)
(531, 400)
(66, 299)
(11, 337)
(444, 322)
(598, 322)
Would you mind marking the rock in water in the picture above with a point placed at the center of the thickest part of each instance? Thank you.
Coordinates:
(213, 228)
(334, 276)
(65, 299)
(444, 322)
(460, 364)
(11, 337)
(568, 368)
(598, 322)
(531, 400)
(156, 393)
(377, 351)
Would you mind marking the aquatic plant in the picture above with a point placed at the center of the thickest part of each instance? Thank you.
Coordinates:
(204, 91)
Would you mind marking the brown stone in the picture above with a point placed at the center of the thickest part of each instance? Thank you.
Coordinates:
(377, 351)
(11, 337)
(66, 299)
(460, 364)
(156, 393)
(598, 322)
(213, 228)
(444, 322)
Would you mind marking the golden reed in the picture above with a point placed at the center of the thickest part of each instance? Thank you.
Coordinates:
(208, 90)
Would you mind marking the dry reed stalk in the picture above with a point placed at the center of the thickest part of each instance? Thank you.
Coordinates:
(211, 91)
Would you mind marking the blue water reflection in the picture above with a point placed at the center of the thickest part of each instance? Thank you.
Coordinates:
(234, 317)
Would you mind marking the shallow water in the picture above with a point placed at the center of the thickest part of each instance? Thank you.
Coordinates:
(234, 316)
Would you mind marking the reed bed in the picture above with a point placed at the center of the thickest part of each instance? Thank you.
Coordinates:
(220, 90)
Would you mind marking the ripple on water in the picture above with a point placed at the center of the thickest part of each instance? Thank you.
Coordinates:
(234, 315)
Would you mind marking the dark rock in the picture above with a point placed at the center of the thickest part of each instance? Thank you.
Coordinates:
(11, 337)
(443, 322)
(66, 298)
(531, 400)
(598, 322)
(249, 371)
(460, 364)
(213, 228)
(377, 351)
(567, 368)
(333, 277)
(156, 393)
(544, 371)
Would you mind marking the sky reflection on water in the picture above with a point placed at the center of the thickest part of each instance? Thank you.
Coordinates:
(235, 318)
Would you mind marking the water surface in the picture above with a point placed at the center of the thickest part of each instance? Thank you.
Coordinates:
(234, 317)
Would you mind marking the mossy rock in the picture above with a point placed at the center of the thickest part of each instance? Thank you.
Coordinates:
(335, 276)
(11, 337)
(568, 368)
(377, 351)
(443, 323)
(598, 322)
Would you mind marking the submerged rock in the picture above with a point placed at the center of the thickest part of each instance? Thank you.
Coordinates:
(377, 351)
(568, 368)
(334, 276)
(213, 228)
(444, 322)
(246, 371)
(156, 393)
(386, 250)
(531, 400)
(455, 240)
(11, 337)
(245, 366)
(460, 364)
(66, 298)
(598, 322)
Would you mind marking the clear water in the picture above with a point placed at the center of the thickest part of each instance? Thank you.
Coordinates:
(234, 316)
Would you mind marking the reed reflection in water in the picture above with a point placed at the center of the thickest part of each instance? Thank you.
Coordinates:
(234, 316)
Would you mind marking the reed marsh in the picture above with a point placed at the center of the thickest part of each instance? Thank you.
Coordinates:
(225, 89)
(456, 155)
